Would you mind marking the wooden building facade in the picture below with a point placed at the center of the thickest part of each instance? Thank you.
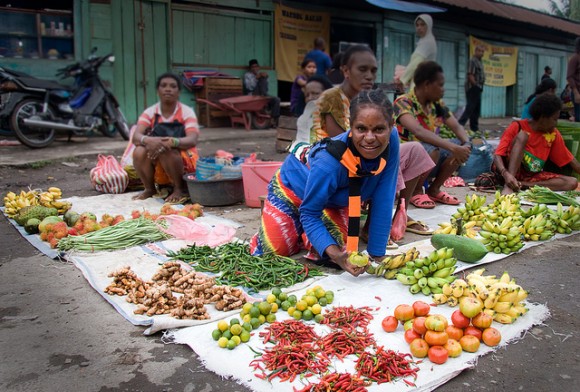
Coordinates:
(149, 37)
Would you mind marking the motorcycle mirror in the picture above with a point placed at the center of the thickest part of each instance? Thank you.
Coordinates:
(111, 59)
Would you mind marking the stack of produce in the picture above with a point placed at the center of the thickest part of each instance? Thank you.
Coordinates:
(14, 202)
(237, 267)
(500, 298)
(432, 336)
(565, 221)
(504, 206)
(52, 199)
(231, 335)
(501, 237)
(457, 227)
(538, 228)
(543, 195)
(428, 274)
(473, 211)
(310, 305)
(390, 266)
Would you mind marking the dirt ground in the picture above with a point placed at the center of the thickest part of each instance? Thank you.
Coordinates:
(57, 333)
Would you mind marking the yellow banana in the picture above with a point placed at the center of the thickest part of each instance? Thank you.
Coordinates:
(447, 290)
(509, 297)
(503, 307)
(457, 292)
(503, 318)
(440, 299)
(522, 294)
(452, 301)
(490, 312)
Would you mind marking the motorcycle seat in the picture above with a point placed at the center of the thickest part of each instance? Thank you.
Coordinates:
(42, 83)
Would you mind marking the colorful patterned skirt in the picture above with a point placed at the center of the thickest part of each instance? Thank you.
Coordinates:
(281, 231)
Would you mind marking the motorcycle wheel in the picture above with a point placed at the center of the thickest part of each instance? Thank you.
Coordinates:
(31, 137)
(120, 125)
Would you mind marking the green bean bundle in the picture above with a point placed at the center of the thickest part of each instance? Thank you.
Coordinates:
(237, 267)
(122, 235)
(543, 195)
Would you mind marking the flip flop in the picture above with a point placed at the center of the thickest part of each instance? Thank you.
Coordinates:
(445, 198)
(422, 201)
(392, 245)
(182, 200)
(420, 232)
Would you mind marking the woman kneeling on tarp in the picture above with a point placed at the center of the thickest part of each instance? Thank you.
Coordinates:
(322, 199)
(526, 145)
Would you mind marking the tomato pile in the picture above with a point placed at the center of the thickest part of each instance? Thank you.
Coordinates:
(431, 335)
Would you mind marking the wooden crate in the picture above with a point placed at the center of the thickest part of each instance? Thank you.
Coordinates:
(286, 133)
(213, 90)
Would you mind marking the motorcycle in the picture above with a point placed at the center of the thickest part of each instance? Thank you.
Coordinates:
(35, 109)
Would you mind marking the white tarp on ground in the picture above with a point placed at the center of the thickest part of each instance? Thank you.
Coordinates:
(361, 291)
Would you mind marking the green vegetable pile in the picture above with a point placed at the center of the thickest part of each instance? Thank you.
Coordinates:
(237, 267)
(543, 195)
(122, 235)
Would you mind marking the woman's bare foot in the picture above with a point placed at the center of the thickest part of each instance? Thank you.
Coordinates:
(146, 194)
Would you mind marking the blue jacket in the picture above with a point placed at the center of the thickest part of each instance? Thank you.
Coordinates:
(324, 183)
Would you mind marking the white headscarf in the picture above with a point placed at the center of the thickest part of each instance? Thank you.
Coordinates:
(427, 47)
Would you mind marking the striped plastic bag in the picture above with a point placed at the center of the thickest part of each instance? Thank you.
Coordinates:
(108, 176)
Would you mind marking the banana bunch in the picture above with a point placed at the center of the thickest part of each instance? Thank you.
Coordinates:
(51, 199)
(452, 292)
(572, 217)
(502, 298)
(504, 237)
(429, 274)
(390, 265)
(538, 228)
(564, 221)
(457, 227)
(537, 209)
(13, 202)
(473, 211)
(505, 206)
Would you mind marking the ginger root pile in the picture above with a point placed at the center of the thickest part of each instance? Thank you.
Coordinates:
(156, 296)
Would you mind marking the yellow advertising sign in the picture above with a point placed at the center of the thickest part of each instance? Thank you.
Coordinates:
(295, 31)
(499, 62)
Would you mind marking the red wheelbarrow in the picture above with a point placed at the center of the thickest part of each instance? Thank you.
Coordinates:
(248, 110)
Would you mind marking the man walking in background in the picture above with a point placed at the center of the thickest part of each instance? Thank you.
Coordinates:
(320, 57)
(547, 73)
(474, 88)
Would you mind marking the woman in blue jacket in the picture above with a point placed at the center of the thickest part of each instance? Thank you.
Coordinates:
(316, 206)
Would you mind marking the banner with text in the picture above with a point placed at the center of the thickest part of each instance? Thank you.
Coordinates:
(499, 62)
(295, 31)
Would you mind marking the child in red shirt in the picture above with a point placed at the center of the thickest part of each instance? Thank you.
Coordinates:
(526, 145)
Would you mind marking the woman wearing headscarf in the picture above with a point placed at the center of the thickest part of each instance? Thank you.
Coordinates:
(426, 49)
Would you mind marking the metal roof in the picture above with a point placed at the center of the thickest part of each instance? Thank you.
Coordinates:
(513, 13)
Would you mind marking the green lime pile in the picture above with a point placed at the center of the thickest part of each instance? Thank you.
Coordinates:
(310, 305)
(230, 335)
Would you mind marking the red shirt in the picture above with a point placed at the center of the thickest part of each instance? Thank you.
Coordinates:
(539, 148)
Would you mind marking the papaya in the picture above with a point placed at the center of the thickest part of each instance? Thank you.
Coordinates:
(46, 221)
(465, 249)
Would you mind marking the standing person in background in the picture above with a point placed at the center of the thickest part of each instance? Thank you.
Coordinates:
(573, 78)
(256, 83)
(297, 102)
(474, 89)
(547, 73)
(320, 57)
(426, 49)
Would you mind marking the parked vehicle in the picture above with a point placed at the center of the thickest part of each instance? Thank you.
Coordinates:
(35, 109)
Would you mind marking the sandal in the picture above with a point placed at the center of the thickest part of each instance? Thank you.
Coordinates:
(182, 200)
(391, 244)
(422, 201)
(411, 222)
(445, 198)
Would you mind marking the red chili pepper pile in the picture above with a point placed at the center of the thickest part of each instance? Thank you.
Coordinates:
(348, 316)
(289, 361)
(337, 382)
(345, 342)
(385, 365)
(289, 331)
